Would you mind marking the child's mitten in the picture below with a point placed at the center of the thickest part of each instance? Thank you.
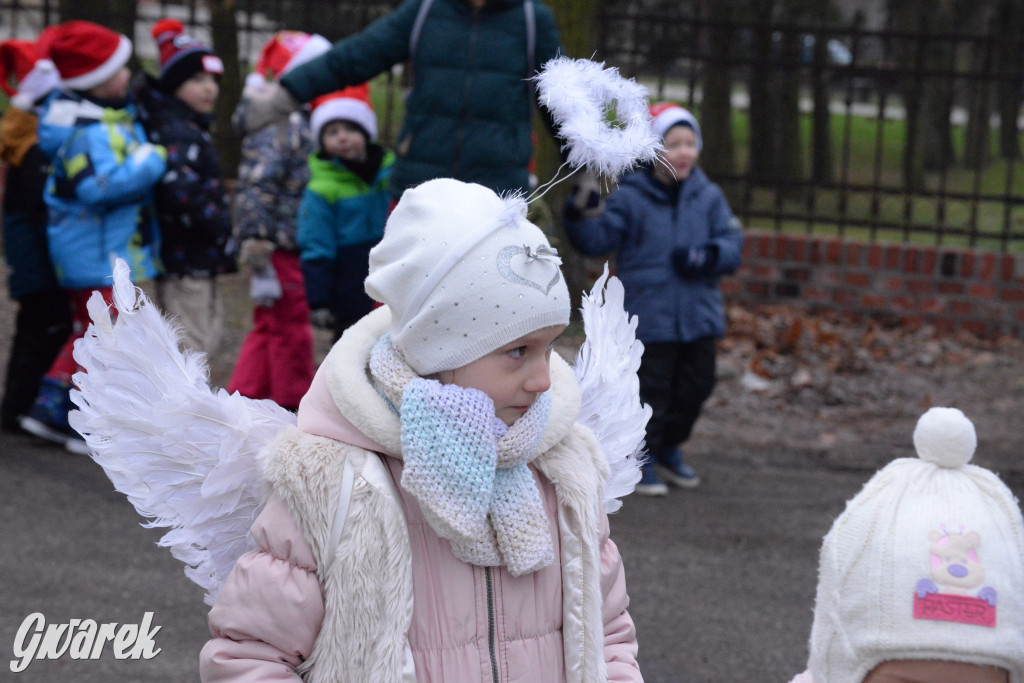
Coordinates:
(255, 253)
(322, 318)
(264, 287)
(695, 262)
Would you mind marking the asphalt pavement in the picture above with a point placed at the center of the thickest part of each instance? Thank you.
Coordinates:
(721, 578)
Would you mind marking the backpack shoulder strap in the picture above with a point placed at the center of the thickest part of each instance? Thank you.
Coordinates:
(417, 27)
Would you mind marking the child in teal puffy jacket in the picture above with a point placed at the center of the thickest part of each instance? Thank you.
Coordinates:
(344, 207)
(99, 194)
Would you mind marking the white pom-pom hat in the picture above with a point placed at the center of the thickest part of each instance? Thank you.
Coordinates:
(925, 563)
(351, 104)
(464, 273)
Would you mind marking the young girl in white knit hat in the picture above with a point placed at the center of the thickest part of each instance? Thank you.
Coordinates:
(436, 514)
(922, 576)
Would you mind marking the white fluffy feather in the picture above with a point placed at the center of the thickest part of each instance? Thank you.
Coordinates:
(579, 93)
(606, 369)
(184, 455)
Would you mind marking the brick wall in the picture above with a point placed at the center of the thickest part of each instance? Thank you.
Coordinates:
(982, 292)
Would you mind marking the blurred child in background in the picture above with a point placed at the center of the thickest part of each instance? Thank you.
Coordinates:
(675, 237)
(195, 225)
(276, 359)
(99, 194)
(44, 315)
(344, 207)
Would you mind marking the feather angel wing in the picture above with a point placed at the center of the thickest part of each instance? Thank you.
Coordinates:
(606, 368)
(184, 455)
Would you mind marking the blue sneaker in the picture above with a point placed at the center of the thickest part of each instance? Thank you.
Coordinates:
(48, 418)
(650, 484)
(676, 472)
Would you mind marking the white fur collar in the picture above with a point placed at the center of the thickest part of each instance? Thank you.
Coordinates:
(348, 380)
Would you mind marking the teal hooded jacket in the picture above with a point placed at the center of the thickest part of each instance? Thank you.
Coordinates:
(468, 115)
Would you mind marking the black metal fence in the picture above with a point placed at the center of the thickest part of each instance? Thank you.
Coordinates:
(906, 132)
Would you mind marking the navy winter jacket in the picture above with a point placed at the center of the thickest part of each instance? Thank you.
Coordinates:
(644, 221)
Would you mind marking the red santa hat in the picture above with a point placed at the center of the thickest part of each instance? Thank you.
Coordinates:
(181, 55)
(664, 115)
(287, 50)
(17, 57)
(87, 54)
(351, 104)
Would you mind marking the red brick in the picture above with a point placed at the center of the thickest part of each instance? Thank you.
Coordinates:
(976, 327)
(797, 274)
(931, 306)
(844, 297)
(1019, 315)
(1007, 267)
(892, 257)
(892, 284)
(929, 256)
(944, 325)
(781, 246)
(987, 267)
(858, 279)
(912, 322)
(1014, 294)
(814, 250)
(827, 276)
(961, 307)
(967, 260)
(748, 248)
(815, 294)
(951, 288)
(834, 253)
(757, 288)
(874, 301)
(874, 257)
(730, 286)
(910, 260)
(763, 272)
(920, 286)
(798, 248)
(852, 254)
(981, 291)
(904, 302)
(764, 246)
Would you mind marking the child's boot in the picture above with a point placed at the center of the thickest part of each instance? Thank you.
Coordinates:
(673, 470)
(650, 484)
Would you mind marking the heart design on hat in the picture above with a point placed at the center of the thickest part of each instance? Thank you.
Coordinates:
(513, 263)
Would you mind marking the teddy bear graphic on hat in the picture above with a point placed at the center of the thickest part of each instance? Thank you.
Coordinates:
(956, 573)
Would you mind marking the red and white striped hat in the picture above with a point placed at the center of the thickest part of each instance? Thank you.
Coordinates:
(87, 54)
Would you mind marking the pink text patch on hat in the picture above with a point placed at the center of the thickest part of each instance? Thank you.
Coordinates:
(956, 575)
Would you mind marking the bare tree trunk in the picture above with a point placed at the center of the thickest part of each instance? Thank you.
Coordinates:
(576, 23)
(225, 43)
(719, 156)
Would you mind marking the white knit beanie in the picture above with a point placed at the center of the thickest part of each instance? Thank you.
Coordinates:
(925, 563)
(464, 273)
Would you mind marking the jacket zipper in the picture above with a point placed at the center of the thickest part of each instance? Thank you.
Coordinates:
(490, 626)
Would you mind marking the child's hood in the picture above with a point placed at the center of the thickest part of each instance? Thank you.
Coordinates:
(343, 404)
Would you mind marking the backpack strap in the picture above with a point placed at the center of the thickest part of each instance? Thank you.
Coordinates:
(417, 27)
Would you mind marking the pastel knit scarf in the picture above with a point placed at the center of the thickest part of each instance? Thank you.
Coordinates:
(466, 469)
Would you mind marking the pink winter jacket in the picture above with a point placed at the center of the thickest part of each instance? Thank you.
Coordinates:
(468, 623)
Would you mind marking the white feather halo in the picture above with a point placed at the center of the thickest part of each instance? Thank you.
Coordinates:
(579, 93)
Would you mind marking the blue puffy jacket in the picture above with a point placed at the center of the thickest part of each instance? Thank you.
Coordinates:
(100, 191)
(644, 221)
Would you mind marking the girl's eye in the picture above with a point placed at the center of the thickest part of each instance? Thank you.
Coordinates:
(517, 352)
